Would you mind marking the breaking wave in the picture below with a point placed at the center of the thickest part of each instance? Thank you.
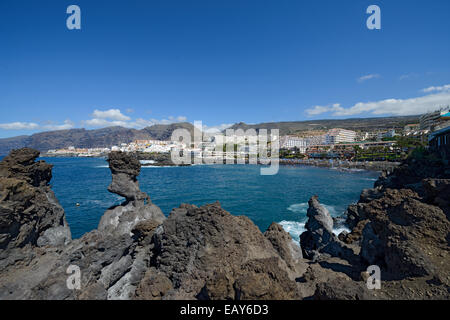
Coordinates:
(303, 208)
(295, 229)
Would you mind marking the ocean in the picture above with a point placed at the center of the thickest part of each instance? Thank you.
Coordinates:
(241, 190)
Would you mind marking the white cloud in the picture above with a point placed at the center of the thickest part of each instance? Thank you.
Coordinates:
(111, 114)
(34, 126)
(100, 119)
(323, 109)
(400, 107)
(114, 117)
(141, 123)
(97, 123)
(368, 77)
(214, 129)
(19, 126)
(439, 88)
(65, 126)
(151, 122)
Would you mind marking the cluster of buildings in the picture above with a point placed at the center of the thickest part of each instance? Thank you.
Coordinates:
(150, 146)
(439, 137)
(79, 152)
(211, 147)
(334, 143)
(332, 137)
(341, 143)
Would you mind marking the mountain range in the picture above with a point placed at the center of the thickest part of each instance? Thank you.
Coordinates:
(356, 124)
(108, 137)
(82, 138)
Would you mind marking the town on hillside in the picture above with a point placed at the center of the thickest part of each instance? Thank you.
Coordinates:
(338, 143)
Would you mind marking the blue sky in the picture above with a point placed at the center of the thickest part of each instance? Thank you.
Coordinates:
(135, 63)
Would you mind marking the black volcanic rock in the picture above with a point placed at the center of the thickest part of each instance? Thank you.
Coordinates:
(406, 230)
(319, 237)
(283, 243)
(20, 164)
(112, 260)
(29, 211)
(405, 235)
(125, 168)
(339, 289)
(207, 253)
(137, 206)
(197, 253)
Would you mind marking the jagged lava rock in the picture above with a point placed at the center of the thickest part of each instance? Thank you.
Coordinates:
(319, 237)
(206, 253)
(407, 236)
(137, 207)
(339, 289)
(125, 168)
(283, 243)
(30, 214)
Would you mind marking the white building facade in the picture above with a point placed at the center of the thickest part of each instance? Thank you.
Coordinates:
(335, 136)
(291, 142)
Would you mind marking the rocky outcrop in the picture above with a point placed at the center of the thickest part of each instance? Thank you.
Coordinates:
(124, 169)
(158, 159)
(404, 234)
(111, 261)
(437, 192)
(319, 237)
(137, 206)
(136, 253)
(207, 253)
(339, 289)
(29, 211)
(402, 226)
(284, 245)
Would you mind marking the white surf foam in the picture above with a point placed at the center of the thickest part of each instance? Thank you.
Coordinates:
(295, 229)
(303, 208)
(147, 161)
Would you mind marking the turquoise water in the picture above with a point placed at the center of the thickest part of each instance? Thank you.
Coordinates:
(240, 189)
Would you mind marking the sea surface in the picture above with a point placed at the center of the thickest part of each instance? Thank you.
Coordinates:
(241, 190)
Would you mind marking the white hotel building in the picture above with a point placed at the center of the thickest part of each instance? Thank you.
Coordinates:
(290, 142)
(335, 136)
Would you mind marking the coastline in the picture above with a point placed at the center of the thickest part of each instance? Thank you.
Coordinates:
(344, 164)
(401, 226)
(377, 166)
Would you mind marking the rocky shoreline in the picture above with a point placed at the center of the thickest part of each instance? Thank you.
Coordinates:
(164, 160)
(401, 225)
(344, 164)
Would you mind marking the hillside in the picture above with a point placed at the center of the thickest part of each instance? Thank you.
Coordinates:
(108, 137)
(363, 124)
(82, 138)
